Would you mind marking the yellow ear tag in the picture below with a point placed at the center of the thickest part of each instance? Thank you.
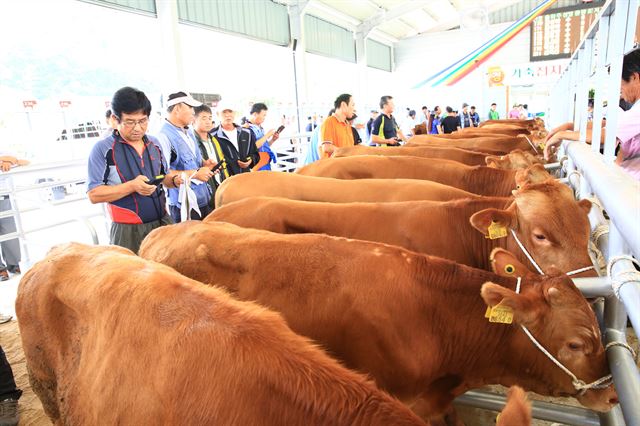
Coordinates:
(497, 230)
(501, 314)
(487, 313)
(542, 145)
(509, 269)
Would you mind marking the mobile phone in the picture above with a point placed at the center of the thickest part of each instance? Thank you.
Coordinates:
(217, 166)
(156, 180)
(281, 128)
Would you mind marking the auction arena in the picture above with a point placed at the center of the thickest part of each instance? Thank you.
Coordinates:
(287, 212)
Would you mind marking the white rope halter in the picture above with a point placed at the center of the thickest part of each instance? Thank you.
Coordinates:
(531, 143)
(623, 278)
(600, 230)
(578, 384)
(533, 262)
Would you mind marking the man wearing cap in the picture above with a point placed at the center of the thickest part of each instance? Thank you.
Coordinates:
(465, 117)
(123, 170)
(238, 143)
(183, 155)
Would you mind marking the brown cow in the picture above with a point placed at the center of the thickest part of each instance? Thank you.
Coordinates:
(517, 410)
(501, 144)
(545, 217)
(471, 158)
(516, 159)
(111, 338)
(476, 179)
(309, 188)
(486, 131)
(415, 323)
(533, 124)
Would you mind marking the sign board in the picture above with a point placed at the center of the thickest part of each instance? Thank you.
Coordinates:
(496, 76)
(65, 104)
(29, 104)
(558, 32)
(525, 74)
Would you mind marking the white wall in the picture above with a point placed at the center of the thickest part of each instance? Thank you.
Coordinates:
(421, 57)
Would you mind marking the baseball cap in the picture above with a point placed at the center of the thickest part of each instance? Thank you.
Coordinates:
(182, 98)
(465, 105)
(227, 106)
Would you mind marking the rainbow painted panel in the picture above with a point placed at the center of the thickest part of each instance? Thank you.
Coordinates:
(458, 70)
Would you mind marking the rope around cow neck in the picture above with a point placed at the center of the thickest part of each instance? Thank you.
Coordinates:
(533, 262)
(578, 384)
(531, 143)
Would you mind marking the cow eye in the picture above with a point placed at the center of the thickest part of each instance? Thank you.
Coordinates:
(540, 237)
(575, 346)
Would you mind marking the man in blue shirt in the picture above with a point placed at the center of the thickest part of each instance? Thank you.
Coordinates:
(263, 140)
(123, 169)
(183, 155)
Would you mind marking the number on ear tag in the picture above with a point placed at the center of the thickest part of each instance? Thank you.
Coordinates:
(497, 230)
(501, 314)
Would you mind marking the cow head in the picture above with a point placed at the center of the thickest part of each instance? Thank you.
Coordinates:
(535, 173)
(517, 410)
(561, 320)
(548, 221)
(516, 159)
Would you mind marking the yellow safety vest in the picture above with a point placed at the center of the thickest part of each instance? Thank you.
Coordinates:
(216, 144)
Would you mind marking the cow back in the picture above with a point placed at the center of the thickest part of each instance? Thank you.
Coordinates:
(476, 179)
(310, 188)
(110, 338)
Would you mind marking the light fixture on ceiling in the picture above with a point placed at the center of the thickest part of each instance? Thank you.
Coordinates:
(472, 19)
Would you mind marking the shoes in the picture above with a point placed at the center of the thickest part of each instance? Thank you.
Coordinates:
(4, 275)
(9, 412)
(5, 318)
(14, 269)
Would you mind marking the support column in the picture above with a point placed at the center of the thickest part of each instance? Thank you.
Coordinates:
(600, 83)
(173, 75)
(361, 63)
(296, 20)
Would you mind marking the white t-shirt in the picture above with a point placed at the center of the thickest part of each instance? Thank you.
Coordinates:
(233, 137)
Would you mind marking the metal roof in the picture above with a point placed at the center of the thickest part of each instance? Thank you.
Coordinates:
(393, 20)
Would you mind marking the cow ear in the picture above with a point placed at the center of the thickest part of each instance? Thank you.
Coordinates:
(493, 161)
(505, 263)
(482, 219)
(585, 205)
(494, 294)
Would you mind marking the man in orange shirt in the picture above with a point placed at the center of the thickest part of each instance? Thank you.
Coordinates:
(336, 131)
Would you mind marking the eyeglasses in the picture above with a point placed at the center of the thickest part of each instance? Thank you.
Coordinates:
(130, 124)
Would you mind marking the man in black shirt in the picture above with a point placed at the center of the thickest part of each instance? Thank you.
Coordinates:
(450, 123)
(385, 130)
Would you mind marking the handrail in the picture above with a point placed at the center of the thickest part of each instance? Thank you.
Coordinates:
(618, 192)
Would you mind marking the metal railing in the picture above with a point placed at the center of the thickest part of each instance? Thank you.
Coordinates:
(28, 197)
(598, 63)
